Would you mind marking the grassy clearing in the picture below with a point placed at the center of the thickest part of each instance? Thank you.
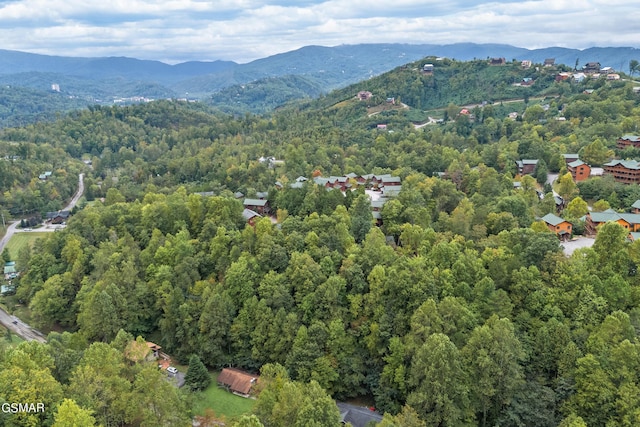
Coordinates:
(221, 401)
(20, 240)
(15, 339)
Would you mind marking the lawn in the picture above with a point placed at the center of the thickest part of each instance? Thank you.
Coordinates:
(20, 240)
(221, 401)
(15, 339)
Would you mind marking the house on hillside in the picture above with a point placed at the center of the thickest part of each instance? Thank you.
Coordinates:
(559, 226)
(526, 166)
(628, 141)
(258, 205)
(427, 68)
(44, 176)
(579, 170)
(140, 351)
(10, 272)
(624, 171)
(497, 61)
(237, 381)
(568, 158)
(549, 62)
(58, 217)
(251, 217)
(630, 221)
(526, 63)
(591, 68)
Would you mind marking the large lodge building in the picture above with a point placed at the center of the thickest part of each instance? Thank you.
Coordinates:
(624, 171)
(628, 141)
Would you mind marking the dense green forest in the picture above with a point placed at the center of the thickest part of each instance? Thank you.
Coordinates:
(457, 311)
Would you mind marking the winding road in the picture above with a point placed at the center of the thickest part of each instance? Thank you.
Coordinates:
(11, 322)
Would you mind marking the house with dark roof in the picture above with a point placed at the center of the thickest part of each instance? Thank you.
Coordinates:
(591, 68)
(237, 381)
(358, 416)
(559, 226)
(526, 166)
(549, 62)
(58, 217)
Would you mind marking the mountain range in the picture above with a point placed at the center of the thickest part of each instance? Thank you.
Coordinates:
(305, 72)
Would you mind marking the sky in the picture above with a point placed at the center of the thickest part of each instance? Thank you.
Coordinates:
(176, 31)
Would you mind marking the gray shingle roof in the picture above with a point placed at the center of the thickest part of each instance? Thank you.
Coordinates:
(255, 202)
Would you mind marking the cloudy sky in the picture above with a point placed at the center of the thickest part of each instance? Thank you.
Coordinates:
(243, 30)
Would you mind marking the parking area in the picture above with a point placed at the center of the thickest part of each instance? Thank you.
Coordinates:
(577, 243)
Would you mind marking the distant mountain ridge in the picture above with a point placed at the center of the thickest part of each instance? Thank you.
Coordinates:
(321, 69)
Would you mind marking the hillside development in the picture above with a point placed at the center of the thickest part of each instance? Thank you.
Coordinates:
(337, 255)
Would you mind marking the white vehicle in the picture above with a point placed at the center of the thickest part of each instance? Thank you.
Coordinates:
(172, 370)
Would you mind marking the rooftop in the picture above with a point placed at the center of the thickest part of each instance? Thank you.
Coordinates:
(552, 219)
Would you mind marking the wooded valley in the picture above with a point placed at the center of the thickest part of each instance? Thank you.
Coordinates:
(454, 306)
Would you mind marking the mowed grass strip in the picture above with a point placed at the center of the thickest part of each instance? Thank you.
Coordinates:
(22, 239)
(221, 401)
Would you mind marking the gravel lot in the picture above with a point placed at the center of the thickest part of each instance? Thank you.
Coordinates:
(576, 243)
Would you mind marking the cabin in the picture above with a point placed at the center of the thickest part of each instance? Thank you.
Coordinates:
(623, 171)
(237, 381)
(526, 166)
(591, 68)
(427, 69)
(568, 158)
(10, 271)
(559, 226)
(630, 221)
(258, 205)
(58, 217)
(251, 217)
(628, 141)
(579, 170)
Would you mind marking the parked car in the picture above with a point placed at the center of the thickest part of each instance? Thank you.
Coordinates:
(172, 370)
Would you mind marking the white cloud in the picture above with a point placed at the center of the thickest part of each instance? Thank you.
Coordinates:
(242, 30)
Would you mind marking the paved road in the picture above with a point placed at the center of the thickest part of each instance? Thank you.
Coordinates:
(78, 194)
(7, 236)
(16, 325)
(20, 328)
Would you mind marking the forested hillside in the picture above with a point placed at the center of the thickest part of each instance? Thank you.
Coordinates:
(458, 309)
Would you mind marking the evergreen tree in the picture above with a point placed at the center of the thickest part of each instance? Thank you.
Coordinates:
(6, 256)
(361, 217)
(197, 377)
